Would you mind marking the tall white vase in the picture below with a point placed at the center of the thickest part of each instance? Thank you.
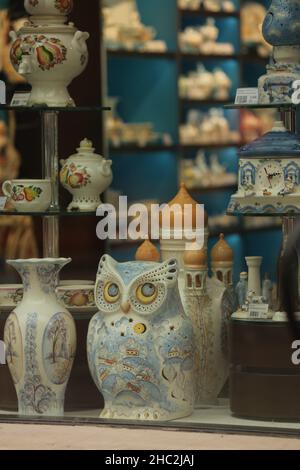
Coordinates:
(40, 339)
(254, 280)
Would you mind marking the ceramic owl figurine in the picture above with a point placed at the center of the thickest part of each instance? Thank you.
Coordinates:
(140, 344)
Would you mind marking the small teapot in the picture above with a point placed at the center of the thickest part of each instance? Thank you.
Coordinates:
(86, 176)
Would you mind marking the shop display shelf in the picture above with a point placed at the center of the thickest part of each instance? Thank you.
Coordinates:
(146, 149)
(207, 102)
(212, 146)
(204, 57)
(292, 215)
(211, 189)
(47, 109)
(280, 106)
(54, 213)
(144, 54)
(207, 13)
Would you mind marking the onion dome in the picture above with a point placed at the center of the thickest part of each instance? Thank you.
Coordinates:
(195, 258)
(281, 26)
(278, 142)
(181, 199)
(222, 252)
(147, 252)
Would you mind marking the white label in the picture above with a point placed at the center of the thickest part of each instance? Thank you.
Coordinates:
(246, 96)
(2, 203)
(20, 99)
(2, 92)
(258, 311)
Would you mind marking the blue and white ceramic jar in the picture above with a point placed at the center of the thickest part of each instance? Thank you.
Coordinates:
(281, 29)
(40, 340)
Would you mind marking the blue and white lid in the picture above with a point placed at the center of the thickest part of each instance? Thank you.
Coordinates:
(278, 143)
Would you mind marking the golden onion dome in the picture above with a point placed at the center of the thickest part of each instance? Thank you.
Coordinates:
(147, 252)
(221, 252)
(195, 258)
(181, 199)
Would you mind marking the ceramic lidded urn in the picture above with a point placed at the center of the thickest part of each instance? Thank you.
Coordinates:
(86, 175)
(48, 53)
(269, 174)
(140, 344)
(40, 340)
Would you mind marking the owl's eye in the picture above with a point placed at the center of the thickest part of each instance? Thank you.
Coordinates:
(146, 293)
(111, 292)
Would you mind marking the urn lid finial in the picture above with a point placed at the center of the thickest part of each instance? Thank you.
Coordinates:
(86, 146)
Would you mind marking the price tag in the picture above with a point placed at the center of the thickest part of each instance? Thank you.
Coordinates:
(258, 311)
(246, 96)
(2, 92)
(2, 203)
(20, 98)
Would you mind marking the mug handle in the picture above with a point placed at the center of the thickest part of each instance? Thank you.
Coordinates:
(7, 188)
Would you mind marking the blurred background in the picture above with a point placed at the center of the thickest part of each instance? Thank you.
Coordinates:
(166, 69)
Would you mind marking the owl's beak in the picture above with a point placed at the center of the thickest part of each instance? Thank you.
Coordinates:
(126, 307)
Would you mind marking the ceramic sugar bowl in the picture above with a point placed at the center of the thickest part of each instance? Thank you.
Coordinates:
(86, 175)
(48, 7)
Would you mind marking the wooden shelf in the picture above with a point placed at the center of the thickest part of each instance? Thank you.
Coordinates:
(208, 13)
(203, 57)
(169, 148)
(184, 147)
(141, 54)
(146, 149)
(212, 189)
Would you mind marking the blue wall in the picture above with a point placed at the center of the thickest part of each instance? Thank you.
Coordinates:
(148, 92)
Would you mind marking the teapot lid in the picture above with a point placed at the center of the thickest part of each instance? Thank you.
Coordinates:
(278, 142)
(86, 149)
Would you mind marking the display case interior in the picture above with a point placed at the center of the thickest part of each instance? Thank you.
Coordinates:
(175, 342)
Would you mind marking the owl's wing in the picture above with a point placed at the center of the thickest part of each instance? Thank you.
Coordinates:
(166, 272)
(106, 264)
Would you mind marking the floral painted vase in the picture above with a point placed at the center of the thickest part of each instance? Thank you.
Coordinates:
(140, 344)
(86, 175)
(40, 340)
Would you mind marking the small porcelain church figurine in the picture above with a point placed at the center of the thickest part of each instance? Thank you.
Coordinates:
(209, 302)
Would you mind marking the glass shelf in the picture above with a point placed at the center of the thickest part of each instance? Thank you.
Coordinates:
(284, 106)
(59, 213)
(45, 109)
(266, 214)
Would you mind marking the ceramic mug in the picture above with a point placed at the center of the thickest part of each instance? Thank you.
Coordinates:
(28, 195)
